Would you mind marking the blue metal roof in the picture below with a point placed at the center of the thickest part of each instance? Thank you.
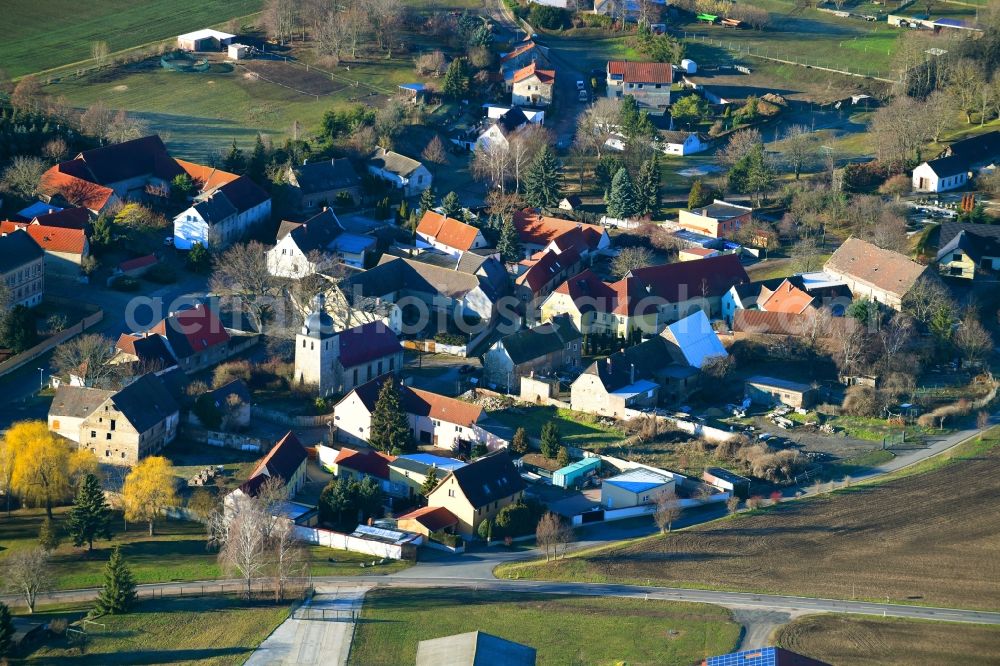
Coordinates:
(447, 464)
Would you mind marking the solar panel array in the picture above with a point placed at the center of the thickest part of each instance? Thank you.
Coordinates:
(761, 657)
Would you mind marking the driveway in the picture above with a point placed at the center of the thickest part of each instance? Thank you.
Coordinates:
(318, 632)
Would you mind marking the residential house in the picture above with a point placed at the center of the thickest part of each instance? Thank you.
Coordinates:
(681, 288)
(133, 170)
(194, 336)
(323, 183)
(662, 369)
(448, 235)
(532, 86)
(635, 487)
(337, 362)
(223, 216)
(969, 255)
(285, 462)
(496, 111)
(144, 353)
(537, 232)
(977, 150)
(67, 182)
(719, 219)
(539, 350)
(648, 82)
(500, 132)
(206, 178)
(682, 143)
(22, 269)
(446, 423)
(470, 290)
(570, 202)
(798, 294)
(745, 296)
(524, 54)
(695, 253)
(773, 391)
(476, 648)
(871, 272)
(65, 248)
(478, 491)
(542, 273)
(71, 405)
(133, 423)
(304, 248)
(788, 298)
(363, 464)
(413, 469)
(427, 520)
(66, 218)
(941, 175)
(403, 173)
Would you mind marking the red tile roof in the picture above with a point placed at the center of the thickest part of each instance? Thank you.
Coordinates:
(543, 75)
(192, 330)
(448, 231)
(545, 267)
(65, 180)
(757, 322)
(787, 298)
(686, 280)
(207, 178)
(523, 48)
(433, 518)
(367, 342)
(443, 408)
(283, 460)
(138, 262)
(52, 239)
(541, 230)
(589, 292)
(367, 461)
(642, 72)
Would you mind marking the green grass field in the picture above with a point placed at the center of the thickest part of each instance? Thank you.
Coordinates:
(203, 630)
(575, 428)
(51, 33)
(564, 630)
(177, 553)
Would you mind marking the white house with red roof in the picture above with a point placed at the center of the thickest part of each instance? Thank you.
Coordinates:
(447, 423)
(448, 234)
(65, 247)
(337, 362)
(648, 82)
(532, 86)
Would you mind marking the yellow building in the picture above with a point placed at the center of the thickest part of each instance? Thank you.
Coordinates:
(478, 491)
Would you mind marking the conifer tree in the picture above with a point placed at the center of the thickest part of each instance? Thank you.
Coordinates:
(118, 592)
(90, 515)
(456, 79)
(509, 245)
(550, 440)
(623, 202)
(427, 199)
(234, 161)
(6, 629)
(430, 482)
(649, 187)
(48, 535)
(519, 443)
(390, 431)
(541, 182)
(451, 206)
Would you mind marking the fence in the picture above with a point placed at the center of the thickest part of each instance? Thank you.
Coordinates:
(28, 355)
(229, 440)
(328, 614)
(274, 416)
(772, 55)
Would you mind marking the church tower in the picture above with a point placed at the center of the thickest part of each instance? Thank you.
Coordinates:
(316, 349)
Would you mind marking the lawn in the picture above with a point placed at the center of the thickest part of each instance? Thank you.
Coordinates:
(47, 34)
(575, 428)
(178, 552)
(564, 630)
(876, 641)
(203, 630)
(878, 541)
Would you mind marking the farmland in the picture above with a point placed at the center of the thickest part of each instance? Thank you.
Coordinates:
(871, 641)
(47, 34)
(849, 544)
(562, 629)
(206, 630)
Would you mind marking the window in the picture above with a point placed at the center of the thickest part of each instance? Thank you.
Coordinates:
(107, 435)
(93, 433)
(123, 454)
(392, 362)
(451, 492)
(107, 454)
(380, 367)
(113, 423)
(658, 86)
(355, 375)
(957, 256)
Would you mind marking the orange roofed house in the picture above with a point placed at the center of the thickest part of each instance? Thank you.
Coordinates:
(648, 82)
(65, 247)
(532, 86)
(435, 419)
(478, 491)
(194, 337)
(448, 234)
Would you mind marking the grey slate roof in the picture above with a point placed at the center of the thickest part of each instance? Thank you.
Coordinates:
(317, 233)
(145, 402)
(949, 166)
(951, 228)
(975, 149)
(489, 479)
(548, 338)
(393, 162)
(17, 249)
(644, 359)
(215, 208)
(327, 175)
(77, 401)
(395, 274)
(972, 244)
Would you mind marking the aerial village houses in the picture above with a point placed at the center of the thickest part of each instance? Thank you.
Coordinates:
(443, 422)
(532, 86)
(499, 133)
(536, 232)
(366, 463)
(719, 219)
(65, 247)
(194, 336)
(22, 268)
(682, 143)
(648, 82)
(478, 491)
(970, 254)
(413, 469)
(403, 173)
(448, 234)
(871, 272)
(953, 168)
(285, 463)
(539, 350)
(304, 248)
(222, 216)
(315, 185)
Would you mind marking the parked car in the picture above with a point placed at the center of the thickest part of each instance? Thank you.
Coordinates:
(580, 85)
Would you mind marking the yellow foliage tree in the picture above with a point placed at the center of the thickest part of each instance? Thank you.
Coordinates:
(149, 488)
(41, 464)
(8, 454)
(81, 463)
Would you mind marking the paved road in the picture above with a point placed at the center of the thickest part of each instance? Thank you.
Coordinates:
(319, 632)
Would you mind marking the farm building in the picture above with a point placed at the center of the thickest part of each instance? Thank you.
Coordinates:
(723, 479)
(570, 475)
(238, 52)
(772, 391)
(633, 488)
(204, 40)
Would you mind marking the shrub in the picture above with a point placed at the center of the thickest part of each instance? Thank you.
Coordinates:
(161, 274)
(860, 401)
(446, 338)
(227, 372)
(550, 18)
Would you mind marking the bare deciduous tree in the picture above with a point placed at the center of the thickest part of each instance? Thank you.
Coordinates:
(89, 357)
(492, 163)
(22, 176)
(287, 557)
(733, 504)
(99, 52)
(241, 533)
(27, 573)
(552, 535)
(124, 127)
(279, 18)
(241, 274)
(434, 151)
(972, 340)
(631, 258)
(740, 145)
(800, 149)
(667, 510)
